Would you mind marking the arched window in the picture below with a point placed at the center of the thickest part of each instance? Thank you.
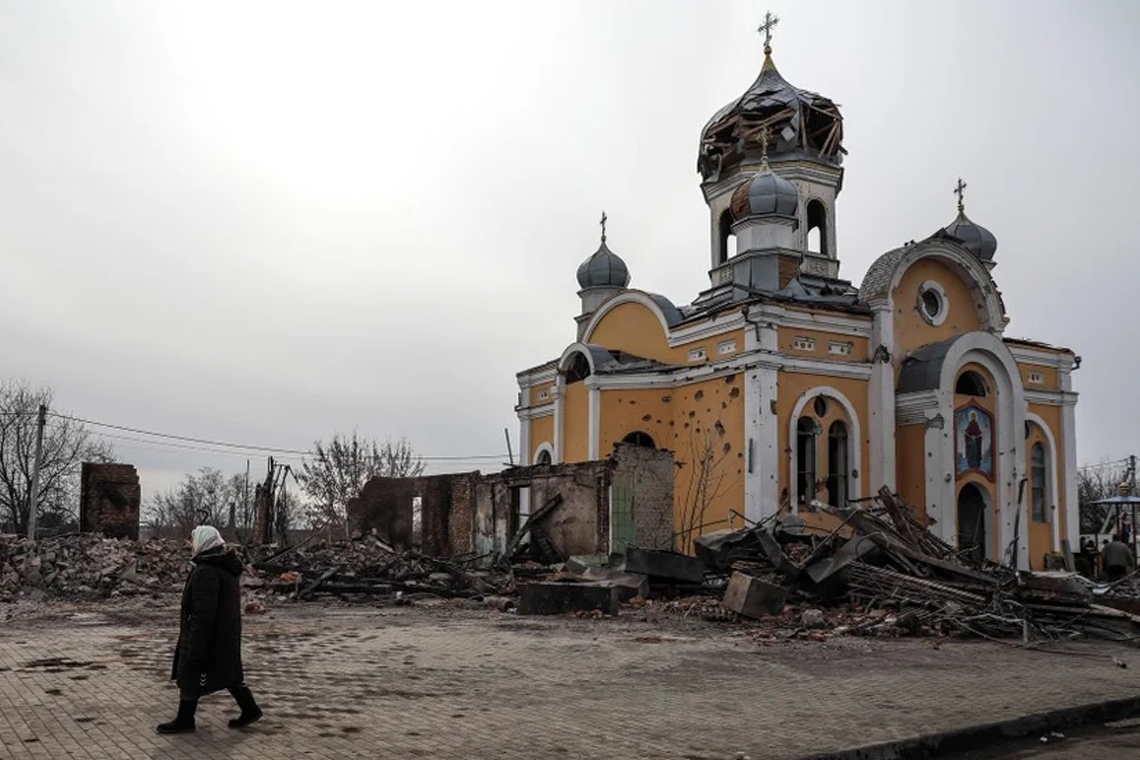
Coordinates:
(838, 463)
(727, 239)
(578, 370)
(817, 227)
(638, 438)
(970, 384)
(806, 434)
(1038, 479)
(543, 457)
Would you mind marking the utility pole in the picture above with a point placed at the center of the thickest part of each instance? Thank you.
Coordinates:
(510, 454)
(34, 491)
(1132, 473)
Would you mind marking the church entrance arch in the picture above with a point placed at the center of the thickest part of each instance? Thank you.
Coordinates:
(972, 520)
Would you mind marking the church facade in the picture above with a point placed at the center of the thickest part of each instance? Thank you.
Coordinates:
(782, 385)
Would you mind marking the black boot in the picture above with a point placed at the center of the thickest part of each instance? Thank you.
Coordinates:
(250, 712)
(184, 723)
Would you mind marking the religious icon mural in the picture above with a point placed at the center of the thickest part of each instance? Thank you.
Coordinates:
(974, 431)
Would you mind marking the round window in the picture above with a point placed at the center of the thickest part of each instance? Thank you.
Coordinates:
(820, 406)
(932, 303)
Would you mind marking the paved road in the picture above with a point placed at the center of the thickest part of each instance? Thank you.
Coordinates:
(342, 682)
(1116, 741)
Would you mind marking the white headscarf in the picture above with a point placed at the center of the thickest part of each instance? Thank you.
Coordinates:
(205, 537)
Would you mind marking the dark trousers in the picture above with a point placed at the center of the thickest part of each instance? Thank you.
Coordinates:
(187, 695)
(1116, 572)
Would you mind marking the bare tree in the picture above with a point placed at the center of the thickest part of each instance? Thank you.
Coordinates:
(67, 444)
(339, 469)
(707, 482)
(202, 499)
(1095, 482)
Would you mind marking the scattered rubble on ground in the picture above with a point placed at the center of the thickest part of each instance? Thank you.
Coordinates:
(876, 572)
(89, 565)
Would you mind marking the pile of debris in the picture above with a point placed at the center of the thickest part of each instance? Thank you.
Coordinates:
(89, 565)
(877, 570)
(895, 577)
(366, 568)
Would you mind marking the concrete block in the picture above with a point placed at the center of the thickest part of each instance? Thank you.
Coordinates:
(752, 597)
(664, 564)
(560, 598)
(629, 585)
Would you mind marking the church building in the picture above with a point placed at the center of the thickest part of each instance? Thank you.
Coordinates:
(782, 385)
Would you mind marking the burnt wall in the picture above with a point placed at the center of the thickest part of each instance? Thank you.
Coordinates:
(109, 500)
(387, 505)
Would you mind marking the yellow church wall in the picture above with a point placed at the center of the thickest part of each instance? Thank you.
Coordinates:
(1047, 381)
(911, 330)
(626, 411)
(910, 464)
(1041, 533)
(635, 329)
(575, 423)
(789, 338)
(536, 397)
(792, 385)
(708, 445)
(541, 431)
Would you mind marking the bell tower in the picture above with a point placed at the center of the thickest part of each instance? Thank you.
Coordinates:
(806, 133)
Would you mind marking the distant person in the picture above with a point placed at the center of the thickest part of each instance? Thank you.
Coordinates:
(1118, 559)
(207, 657)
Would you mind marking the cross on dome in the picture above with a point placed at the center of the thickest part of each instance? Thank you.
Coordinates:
(770, 21)
(603, 223)
(960, 191)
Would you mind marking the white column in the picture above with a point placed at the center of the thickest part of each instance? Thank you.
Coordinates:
(559, 393)
(882, 426)
(594, 407)
(768, 441)
(1072, 505)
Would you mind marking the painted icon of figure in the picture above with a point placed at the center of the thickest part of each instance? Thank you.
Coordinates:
(973, 443)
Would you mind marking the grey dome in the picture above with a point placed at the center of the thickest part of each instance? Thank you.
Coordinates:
(804, 125)
(974, 237)
(604, 269)
(766, 194)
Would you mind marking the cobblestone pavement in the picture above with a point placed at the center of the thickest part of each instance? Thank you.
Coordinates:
(341, 682)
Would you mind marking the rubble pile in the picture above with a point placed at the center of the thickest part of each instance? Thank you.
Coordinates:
(365, 568)
(89, 565)
(879, 572)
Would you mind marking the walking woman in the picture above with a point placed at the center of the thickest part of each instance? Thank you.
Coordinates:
(208, 655)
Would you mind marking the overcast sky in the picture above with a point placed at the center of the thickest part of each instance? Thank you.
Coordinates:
(266, 222)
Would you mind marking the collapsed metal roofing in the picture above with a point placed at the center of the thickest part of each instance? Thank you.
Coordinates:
(804, 124)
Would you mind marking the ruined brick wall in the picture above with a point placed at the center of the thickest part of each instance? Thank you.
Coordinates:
(649, 472)
(109, 500)
(386, 505)
(580, 524)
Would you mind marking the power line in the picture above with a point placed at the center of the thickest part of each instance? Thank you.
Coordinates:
(239, 447)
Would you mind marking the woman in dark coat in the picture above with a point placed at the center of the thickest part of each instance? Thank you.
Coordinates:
(208, 655)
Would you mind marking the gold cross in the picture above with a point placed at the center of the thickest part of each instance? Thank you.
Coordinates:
(960, 191)
(766, 28)
(603, 223)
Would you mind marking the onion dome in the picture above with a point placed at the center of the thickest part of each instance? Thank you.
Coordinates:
(604, 269)
(766, 194)
(805, 125)
(974, 237)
